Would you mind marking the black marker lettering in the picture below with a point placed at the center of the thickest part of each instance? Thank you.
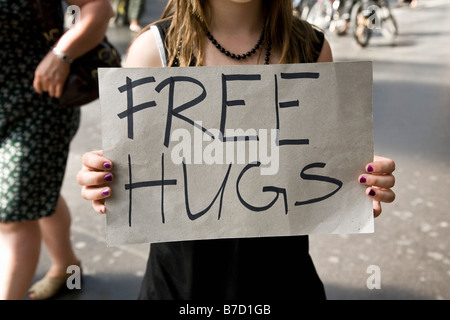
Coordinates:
(277, 190)
(230, 103)
(317, 178)
(290, 104)
(300, 75)
(143, 184)
(171, 112)
(194, 216)
(128, 87)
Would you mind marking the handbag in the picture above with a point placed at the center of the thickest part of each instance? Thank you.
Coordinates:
(81, 86)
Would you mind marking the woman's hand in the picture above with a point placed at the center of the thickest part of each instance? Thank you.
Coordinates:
(94, 176)
(50, 75)
(380, 180)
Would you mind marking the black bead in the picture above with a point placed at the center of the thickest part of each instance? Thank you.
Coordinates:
(232, 55)
(243, 56)
(227, 53)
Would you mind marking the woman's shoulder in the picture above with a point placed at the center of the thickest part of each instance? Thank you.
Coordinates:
(311, 37)
(143, 51)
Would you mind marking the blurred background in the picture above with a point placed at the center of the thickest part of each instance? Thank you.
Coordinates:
(411, 114)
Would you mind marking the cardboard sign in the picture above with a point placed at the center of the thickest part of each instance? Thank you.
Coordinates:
(226, 152)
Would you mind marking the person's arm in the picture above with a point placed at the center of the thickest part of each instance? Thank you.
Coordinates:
(52, 71)
(143, 52)
(96, 174)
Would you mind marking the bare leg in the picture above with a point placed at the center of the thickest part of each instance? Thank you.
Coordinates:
(55, 231)
(20, 244)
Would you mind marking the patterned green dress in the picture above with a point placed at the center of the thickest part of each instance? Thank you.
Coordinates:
(35, 132)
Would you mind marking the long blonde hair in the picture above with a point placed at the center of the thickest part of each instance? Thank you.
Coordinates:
(184, 39)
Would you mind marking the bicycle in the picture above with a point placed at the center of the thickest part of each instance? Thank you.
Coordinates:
(369, 15)
(325, 14)
(362, 16)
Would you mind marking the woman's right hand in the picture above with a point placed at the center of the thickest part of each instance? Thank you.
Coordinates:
(94, 176)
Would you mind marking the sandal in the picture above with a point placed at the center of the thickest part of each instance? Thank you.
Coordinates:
(47, 287)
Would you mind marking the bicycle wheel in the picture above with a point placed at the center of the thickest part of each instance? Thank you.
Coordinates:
(389, 28)
(360, 24)
(320, 14)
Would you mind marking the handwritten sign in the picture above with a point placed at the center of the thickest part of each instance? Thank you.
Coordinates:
(225, 152)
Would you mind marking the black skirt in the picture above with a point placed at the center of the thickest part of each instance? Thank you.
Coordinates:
(251, 268)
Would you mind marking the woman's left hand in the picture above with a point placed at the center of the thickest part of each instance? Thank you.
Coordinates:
(50, 75)
(380, 180)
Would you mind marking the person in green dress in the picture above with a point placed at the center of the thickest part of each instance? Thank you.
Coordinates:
(35, 134)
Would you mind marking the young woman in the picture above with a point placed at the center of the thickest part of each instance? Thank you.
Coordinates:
(193, 33)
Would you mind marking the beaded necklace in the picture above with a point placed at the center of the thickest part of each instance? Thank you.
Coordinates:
(243, 55)
(234, 55)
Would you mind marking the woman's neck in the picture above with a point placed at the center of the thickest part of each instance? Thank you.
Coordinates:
(235, 17)
(236, 25)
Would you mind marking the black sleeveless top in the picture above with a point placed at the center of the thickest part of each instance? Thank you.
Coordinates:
(273, 268)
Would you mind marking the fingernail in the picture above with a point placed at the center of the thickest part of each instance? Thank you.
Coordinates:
(108, 177)
(105, 192)
(371, 192)
(101, 211)
(362, 180)
(369, 168)
(107, 165)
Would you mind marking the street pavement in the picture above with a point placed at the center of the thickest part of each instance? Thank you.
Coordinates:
(411, 114)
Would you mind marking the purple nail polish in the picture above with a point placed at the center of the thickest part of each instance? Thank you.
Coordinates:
(107, 165)
(101, 211)
(362, 180)
(369, 168)
(371, 192)
(108, 177)
(105, 192)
